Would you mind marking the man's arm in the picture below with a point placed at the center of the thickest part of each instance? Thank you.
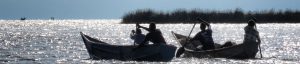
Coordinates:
(196, 37)
(143, 27)
(203, 21)
(207, 24)
(258, 38)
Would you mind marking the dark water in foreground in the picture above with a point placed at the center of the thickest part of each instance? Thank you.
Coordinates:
(46, 41)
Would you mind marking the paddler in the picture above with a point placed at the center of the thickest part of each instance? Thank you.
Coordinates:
(251, 39)
(204, 36)
(137, 36)
(155, 36)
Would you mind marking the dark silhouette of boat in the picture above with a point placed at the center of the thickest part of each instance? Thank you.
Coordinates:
(233, 51)
(100, 50)
(23, 18)
(52, 18)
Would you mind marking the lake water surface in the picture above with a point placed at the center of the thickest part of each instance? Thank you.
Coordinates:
(59, 41)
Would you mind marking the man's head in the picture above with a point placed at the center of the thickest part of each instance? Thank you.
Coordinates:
(138, 31)
(152, 26)
(202, 26)
(251, 23)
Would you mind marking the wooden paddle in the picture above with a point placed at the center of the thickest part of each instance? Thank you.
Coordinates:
(133, 31)
(261, 56)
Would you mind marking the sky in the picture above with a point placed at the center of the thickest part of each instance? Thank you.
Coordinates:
(115, 9)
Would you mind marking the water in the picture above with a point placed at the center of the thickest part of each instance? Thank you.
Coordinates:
(58, 41)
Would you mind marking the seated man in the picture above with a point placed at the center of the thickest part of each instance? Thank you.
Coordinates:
(137, 36)
(205, 37)
(154, 35)
(251, 39)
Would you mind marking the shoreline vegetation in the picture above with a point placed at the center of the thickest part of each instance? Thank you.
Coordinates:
(212, 16)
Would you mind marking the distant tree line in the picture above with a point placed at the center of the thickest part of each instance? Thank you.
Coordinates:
(230, 16)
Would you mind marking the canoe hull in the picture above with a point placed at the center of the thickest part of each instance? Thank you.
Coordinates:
(234, 51)
(101, 50)
(183, 41)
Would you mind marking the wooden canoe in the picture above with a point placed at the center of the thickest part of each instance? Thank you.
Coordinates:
(234, 52)
(100, 50)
